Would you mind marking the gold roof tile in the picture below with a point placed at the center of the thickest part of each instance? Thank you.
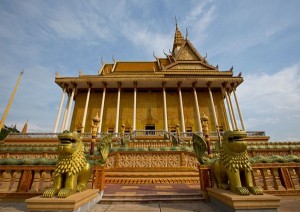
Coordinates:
(136, 66)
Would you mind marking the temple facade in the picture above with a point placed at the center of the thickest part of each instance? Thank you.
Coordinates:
(150, 97)
(149, 111)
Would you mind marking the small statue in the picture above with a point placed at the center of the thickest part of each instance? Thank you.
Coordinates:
(234, 165)
(104, 148)
(199, 146)
(72, 171)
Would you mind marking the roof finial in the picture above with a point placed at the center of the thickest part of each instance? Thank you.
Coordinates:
(113, 58)
(56, 74)
(102, 61)
(176, 21)
(165, 53)
(154, 56)
(186, 33)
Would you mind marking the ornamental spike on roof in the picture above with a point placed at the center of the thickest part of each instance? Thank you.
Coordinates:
(178, 39)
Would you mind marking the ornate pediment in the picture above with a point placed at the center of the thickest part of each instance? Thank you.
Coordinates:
(189, 67)
(187, 53)
(192, 66)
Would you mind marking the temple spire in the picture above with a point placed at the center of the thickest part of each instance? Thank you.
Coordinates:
(178, 39)
(24, 130)
(11, 100)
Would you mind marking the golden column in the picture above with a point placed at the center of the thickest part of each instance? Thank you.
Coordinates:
(122, 135)
(11, 100)
(95, 125)
(205, 130)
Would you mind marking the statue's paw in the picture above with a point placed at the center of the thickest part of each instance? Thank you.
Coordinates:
(224, 186)
(81, 187)
(256, 190)
(65, 192)
(50, 192)
(242, 190)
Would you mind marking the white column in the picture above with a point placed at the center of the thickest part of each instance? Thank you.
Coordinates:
(238, 108)
(134, 107)
(197, 108)
(118, 109)
(102, 107)
(69, 109)
(65, 115)
(181, 107)
(233, 116)
(165, 107)
(86, 108)
(59, 110)
(213, 107)
(229, 108)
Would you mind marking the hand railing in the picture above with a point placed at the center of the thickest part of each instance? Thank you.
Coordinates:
(149, 132)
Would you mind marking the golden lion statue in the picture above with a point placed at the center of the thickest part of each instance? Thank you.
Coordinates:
(234, 165)
(72, 169)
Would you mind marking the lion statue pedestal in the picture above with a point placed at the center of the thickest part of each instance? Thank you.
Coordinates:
(233, 171)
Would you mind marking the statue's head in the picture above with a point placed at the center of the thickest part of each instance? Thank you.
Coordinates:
(234, 140)
(69, 142)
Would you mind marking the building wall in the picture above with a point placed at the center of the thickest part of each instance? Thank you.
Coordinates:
(189, 110)
(149, 109)
(173, 110)
(126, 109)
(93, 109)
(78, 111)
(109, 113)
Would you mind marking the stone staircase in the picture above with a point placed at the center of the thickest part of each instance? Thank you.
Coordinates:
(151, 193)
(151, 198)
(151, 161)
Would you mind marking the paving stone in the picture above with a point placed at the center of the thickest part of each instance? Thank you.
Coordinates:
(133, 207)
(181, 207)
(129, 187)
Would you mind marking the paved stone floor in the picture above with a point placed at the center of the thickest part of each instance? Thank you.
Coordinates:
(288, 203)
(154, 189)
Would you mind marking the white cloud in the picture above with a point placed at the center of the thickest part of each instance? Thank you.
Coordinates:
(199, 19)
(279, 91)
(271, 102)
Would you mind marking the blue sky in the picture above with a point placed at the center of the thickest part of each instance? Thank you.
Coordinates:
(260, 38)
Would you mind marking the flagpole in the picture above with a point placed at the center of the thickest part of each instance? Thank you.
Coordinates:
(11, 100)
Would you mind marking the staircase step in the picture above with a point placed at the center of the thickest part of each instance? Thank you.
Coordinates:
(142, 198)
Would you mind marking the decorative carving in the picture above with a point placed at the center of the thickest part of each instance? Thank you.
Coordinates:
(276, 179)
(153, 160)
(25, 181)
(286, 178)
(268, 179)
(189, 67)
(187, 54)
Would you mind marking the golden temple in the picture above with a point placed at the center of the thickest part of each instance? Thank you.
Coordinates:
(153, 95)
(150, 110)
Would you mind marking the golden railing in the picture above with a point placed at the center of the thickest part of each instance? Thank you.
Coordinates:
(274, 178)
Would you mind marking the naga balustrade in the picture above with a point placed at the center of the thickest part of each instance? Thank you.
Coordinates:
(274, 178)
(25, 181)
